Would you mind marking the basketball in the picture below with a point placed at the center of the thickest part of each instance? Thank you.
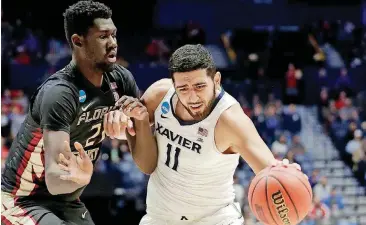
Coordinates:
(280, 195)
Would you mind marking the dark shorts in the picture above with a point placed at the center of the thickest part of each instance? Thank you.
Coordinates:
(29, 211)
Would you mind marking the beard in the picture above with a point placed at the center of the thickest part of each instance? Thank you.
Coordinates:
(104, 67)
(202, 115)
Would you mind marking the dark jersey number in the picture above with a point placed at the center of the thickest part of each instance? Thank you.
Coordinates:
(176, 157)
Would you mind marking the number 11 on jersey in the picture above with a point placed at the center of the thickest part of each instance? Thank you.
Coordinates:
(176, 157)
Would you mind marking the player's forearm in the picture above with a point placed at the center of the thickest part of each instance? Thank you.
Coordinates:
(55, 185)
(143, 147)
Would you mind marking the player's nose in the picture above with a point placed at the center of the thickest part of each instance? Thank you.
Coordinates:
(193, 97)
(112, 43)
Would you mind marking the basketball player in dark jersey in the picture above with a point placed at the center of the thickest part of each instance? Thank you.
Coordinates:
(37, 184)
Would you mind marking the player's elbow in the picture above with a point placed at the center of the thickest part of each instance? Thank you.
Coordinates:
(148, 171)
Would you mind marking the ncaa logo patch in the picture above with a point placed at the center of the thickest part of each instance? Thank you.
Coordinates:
(165, 107)
(82, 96)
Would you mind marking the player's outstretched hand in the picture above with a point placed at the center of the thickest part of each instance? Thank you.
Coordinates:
(115, 124)
(79, 168)
(286, 163)
(133, 108)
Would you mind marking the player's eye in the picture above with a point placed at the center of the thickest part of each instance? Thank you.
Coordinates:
(103, 36)
(183, 90)
(200, 87)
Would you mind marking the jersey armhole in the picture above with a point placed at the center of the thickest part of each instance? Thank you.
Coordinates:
(214, 131)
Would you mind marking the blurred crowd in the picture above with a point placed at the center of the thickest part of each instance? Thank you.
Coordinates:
(274, 112)
(344, 117)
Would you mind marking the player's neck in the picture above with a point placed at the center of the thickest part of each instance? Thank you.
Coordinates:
(93, 76)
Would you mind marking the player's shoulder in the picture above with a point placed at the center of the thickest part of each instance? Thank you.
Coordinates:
(121, 73)
(155, 94)
(230, 118)
(162, 86)
(62, 81)
(159, 89)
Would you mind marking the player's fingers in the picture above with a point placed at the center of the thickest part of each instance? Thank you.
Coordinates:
(105, 124)
(297, 166)
(63, 167)
(129, 101)
(276, 163)
(285, 162)
(110, 124)
(67, 146)
(121, 100)
(116, 125)
(80, 149)
(66, 177)
(62, 159)
(130, 128)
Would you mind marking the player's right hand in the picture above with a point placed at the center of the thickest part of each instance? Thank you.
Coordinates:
(79, 168)
(115, 124)
(133, 108)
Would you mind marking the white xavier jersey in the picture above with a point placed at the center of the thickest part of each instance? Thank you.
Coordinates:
(193, 178)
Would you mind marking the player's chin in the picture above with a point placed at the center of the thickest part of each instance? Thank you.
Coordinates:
(106, 66)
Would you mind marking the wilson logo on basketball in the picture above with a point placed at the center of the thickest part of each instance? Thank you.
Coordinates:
(281, 207)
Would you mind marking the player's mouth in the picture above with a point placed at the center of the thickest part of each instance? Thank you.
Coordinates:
(196, 106)
(112, 56)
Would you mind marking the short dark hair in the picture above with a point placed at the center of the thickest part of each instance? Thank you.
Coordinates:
(191, 57)
(79, 17)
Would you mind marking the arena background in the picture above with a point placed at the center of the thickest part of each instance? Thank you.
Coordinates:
(296, 66)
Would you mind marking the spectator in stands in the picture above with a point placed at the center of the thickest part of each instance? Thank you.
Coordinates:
(323, 105)
(355, 144)
(261, 86)
(322, 189)
(340, 127)
(343, 83)
(272, 123)
(22, 57)
(320, 212)
(348, 108)
(293, 81)
(352, 127)
(279, 147)
(341, 101)
(4, 152)
(291, 120)
(17, 117)
(5, 121)
(18, 97)
(361, 171)
(334, 198)
(158, 52)
(296, 143)
(314, 178)
(323, 78)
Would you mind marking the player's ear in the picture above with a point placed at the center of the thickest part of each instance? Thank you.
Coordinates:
(217, 80)
(77, 40)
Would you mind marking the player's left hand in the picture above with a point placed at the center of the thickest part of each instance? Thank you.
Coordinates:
(286, 163)
(79, 168)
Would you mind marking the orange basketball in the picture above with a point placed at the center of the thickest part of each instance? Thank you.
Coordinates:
(280, 195)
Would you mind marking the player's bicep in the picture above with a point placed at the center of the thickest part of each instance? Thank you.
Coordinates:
(57, 109)
(246, 140)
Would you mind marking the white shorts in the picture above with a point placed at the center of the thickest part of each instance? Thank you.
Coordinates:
(229, 215)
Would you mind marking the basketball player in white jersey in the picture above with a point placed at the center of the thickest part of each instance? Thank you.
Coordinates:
(201, 131)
